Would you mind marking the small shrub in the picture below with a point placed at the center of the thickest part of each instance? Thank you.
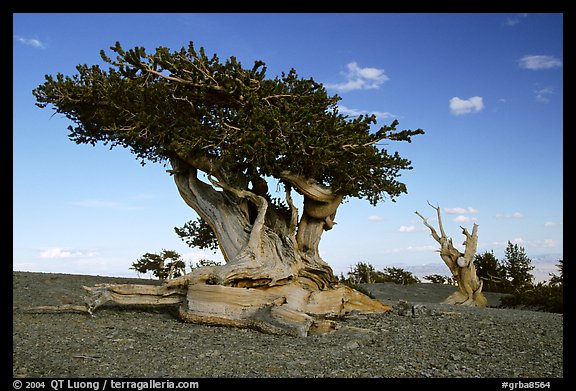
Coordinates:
(205, 262)
(539, 297)
(359, 288)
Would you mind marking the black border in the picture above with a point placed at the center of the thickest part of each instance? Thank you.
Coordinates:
(10, 7)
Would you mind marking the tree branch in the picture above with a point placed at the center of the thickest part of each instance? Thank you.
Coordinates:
(147, 68)
(351, 146)
(293, 215)
(448, 253)
(309, 187)
(277, 96)
(204, 71)
(221, 213)
(210, 166)
(261, 204)
(442, 233)
(470, 243)
(432, 230)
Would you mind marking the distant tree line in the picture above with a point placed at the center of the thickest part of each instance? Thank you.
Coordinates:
(365, 273)
(511, 275)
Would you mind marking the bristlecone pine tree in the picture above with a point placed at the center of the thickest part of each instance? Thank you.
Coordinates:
(226, 132)
(461, 265)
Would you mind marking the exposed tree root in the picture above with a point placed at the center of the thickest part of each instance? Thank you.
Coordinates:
(292, 309)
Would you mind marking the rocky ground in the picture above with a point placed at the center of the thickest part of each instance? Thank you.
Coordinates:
(439, 341)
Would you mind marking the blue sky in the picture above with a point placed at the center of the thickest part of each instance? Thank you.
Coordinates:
(486, 88)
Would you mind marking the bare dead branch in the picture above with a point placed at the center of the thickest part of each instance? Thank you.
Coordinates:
(460, 264)
(352, 146)
(432, 230)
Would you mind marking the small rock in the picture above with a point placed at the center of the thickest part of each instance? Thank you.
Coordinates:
(403, 308)
(452, 367)
(422, 310)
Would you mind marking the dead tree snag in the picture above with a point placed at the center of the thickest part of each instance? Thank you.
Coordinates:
(461, 265)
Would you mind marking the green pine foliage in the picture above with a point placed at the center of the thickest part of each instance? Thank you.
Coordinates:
(362, 273)
(518, 267)
(183, 104)
(547, 297)
(440, 279)
(541, 297)
(491, 271)
(512, 275)
(197, 233)
(398, 275)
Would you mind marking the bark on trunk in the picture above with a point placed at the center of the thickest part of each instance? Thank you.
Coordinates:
(461, 265)
(274, 279)
(291, 309)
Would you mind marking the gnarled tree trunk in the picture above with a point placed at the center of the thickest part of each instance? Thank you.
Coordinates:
(460, 264)
(274, 279)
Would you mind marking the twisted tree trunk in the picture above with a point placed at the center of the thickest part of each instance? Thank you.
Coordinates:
(274, 279)
(461, 265)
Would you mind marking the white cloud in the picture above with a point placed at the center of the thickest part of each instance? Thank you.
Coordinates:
(59, 253)
(355, 112)
(375, 218)
(539, 62)
(464, 219)
(550, 224)
(407, 228)
(35, 43)
(514, 20)
(466, 106)
(519, 241)
(358, 78)
(542, 95)
(460, 210)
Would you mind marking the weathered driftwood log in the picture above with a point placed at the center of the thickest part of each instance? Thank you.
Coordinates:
(461, 265)
(291, 309)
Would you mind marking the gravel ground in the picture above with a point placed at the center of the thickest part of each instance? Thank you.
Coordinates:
(441, 341)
